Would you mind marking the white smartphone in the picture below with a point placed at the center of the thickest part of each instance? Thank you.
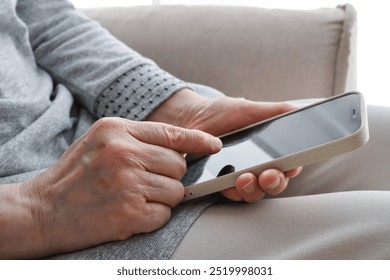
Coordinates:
(297, 138)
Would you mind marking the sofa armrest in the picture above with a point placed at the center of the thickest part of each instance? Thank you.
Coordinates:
(260, 54)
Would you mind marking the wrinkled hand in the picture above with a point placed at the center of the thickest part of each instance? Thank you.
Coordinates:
(222, 115)
(119, 179)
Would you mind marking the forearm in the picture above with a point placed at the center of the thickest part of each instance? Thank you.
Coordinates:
(19, 235)
(105, 75)
(76, 51)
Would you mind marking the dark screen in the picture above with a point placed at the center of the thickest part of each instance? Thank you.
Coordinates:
(283, 136)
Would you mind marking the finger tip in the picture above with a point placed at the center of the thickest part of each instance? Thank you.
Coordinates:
(232, 194)
(245, 179)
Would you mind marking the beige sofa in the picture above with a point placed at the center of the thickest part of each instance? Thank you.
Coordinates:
(260, 54)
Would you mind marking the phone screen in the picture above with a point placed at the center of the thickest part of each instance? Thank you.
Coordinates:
(288, 134)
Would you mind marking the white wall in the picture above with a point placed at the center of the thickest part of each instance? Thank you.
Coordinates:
(373, 33)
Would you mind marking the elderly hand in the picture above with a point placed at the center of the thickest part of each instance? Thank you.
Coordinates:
(119, 179)
(222, 115)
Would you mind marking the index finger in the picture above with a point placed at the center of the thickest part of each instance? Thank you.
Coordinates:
(176, 138)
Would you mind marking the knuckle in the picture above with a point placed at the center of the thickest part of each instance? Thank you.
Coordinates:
(148, 212)
(177, 194)
(100, 133)
(153, 217)
(174, 135)
(109, 124)
(104, 123)
(181, 167)
(109, 151)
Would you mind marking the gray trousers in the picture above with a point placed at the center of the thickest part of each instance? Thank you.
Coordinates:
(336, 209)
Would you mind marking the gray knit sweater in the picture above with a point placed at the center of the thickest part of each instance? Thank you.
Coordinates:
(59, 72)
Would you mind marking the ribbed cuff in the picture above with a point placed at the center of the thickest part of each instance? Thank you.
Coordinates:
(136, 93)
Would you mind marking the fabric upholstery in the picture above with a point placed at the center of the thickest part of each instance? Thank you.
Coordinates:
(257, 53)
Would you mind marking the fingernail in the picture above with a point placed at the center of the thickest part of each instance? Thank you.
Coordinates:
(274, 183)
(249, 188)
(216, 143)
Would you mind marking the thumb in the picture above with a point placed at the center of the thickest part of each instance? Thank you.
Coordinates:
(257, 111)
(180, 139)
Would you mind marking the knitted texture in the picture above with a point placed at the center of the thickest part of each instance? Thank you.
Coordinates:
(137, 92)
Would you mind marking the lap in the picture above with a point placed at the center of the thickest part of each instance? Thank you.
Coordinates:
(345, 225)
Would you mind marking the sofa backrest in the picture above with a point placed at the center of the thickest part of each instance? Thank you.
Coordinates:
(256, 53)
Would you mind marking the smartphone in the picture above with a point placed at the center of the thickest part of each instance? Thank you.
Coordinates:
(297, 138)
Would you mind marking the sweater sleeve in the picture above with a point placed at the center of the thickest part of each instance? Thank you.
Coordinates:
(105, 75)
